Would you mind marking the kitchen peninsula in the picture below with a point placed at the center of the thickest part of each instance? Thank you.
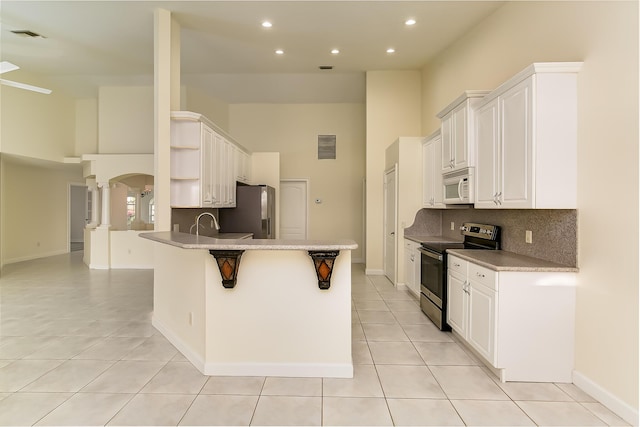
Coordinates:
(254, 307)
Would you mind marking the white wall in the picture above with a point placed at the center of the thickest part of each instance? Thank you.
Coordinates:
(292, 130)
(35, 209)
(393, 110)
(125, 120)
(605, 36)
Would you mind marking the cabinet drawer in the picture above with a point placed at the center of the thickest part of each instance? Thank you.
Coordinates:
(483, 275)
(456, 264)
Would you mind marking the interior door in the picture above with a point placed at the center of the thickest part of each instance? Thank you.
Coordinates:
(390, 219)
(293, 209)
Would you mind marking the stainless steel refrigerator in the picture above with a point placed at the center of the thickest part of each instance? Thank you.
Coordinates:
(255, 212)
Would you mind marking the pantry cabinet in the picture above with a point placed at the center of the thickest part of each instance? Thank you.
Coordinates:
(520, 322)
(457, 122)
(432, 190)
(526, 136)
(203, 165)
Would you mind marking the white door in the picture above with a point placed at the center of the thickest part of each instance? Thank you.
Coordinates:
(293, 209)
(390, 207)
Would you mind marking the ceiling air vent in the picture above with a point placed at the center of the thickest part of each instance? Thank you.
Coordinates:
(26, 33)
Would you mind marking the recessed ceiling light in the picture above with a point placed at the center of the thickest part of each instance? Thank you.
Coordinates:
(410, 22)
(335, 51)
(279, 52)
(391, 50)
(267, 24)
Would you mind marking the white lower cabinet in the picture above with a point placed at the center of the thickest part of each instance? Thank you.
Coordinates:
(520, 322)
(412, 266)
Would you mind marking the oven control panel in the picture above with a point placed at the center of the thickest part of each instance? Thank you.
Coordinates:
(482, 231)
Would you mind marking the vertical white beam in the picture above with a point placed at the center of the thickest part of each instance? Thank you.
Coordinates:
(166, 38)
(105, 219)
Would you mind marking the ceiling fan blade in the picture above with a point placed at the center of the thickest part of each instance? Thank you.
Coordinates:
(25, 86)
(6, 66)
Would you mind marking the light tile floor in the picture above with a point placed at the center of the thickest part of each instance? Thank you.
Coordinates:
(77, 348)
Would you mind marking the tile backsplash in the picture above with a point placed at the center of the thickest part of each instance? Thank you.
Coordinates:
(554, 231)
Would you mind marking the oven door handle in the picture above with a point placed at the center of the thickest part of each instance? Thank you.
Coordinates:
(430, 254)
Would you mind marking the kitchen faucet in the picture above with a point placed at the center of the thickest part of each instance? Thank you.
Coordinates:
(197, 224)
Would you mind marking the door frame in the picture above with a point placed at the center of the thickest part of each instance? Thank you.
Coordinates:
(392, 170)
(306, 182)
(69, 203)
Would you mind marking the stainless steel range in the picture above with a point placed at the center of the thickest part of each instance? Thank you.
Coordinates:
(433, 272)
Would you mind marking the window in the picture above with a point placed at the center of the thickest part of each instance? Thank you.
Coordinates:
(131, 210)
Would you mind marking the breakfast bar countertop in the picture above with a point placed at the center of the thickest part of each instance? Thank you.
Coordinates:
(242, 241)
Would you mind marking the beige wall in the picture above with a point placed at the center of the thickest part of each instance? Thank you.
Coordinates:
(86, 126)
(292, 130)
(37, 125)
(35, 209)
(125, 120)
(212, 108)
(393, 110)
(605, 36)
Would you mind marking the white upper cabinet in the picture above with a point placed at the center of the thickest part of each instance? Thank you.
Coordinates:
(432, 172)
(526, 135)
(457, 132)
(204, 165)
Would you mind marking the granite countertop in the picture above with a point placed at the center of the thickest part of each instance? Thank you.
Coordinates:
(242, 241)
(431, 239)
(509, 261)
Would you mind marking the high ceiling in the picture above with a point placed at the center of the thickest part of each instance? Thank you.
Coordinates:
(225, 51)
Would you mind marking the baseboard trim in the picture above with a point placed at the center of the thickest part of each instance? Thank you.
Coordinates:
(294, 370)
(608, 399)
(373, 272)
(32, 257)
(191, 355)
(357, 261)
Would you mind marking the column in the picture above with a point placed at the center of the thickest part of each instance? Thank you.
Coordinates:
(93, 187)
(105, 221)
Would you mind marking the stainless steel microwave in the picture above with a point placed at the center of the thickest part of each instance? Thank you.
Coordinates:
(458, 187)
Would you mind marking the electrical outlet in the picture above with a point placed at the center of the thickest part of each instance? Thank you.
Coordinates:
(211, 223)
(190, 319)
(528, 236)
(176, 227)
(453, 225)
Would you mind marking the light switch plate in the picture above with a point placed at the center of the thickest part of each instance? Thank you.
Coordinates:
(453, 225)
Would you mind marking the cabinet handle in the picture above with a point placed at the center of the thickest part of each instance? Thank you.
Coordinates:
(455, 264)
(479, 275)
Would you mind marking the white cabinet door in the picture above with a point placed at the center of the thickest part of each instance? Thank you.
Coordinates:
(448, 150)
(432, 190)
(488, 168)
(457, 303)
(417, 269)
(460, 146)
(436, 175)
(481, 333)
(207, 166)
(412, 267)
(517, 160)
(427, 174)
